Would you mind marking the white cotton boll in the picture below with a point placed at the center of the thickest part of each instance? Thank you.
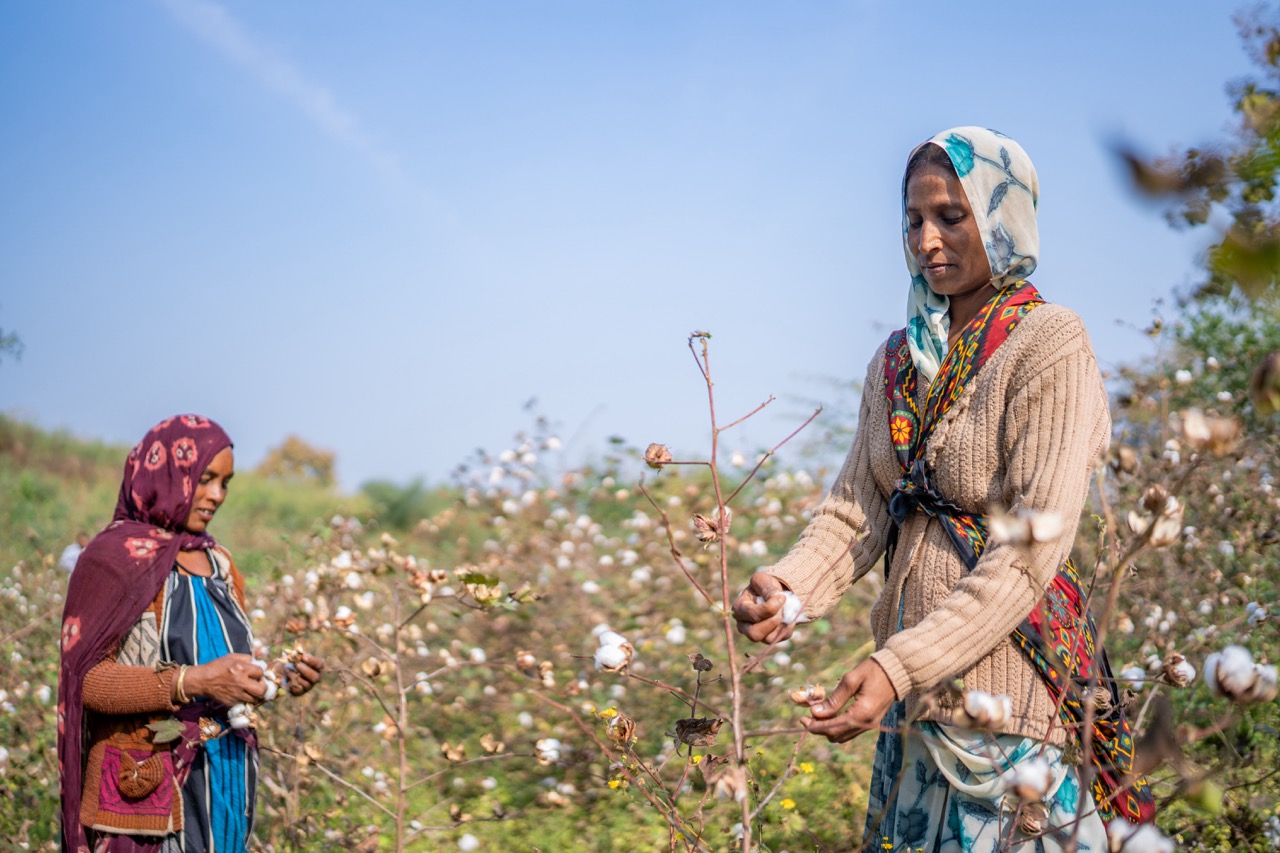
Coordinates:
(1046, 526)
(612, 657)
(1256, 613)
(1134, 676)
(525, 719)
(610, 638)
(590, 587)
(563, 562)
(676, 635)
(43, 693)
(548, 750)
(4, 756)
(478, 655)
(1230, 672)
(506, 457)
(1264, 687)
(353, 581)
(343, 612)
(1225, 397)
(312, 578)
(1182, 377)
(1030, 780)
(983, 711)
(238, 716)
(1226, 549)
(1125, 837)
(641, 575)
(793, 609)
(258, 614)
(759, 548)
(342, 561)
(365, 600)
(488, 783)
(1182, 672)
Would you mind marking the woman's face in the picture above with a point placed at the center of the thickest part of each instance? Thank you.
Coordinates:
(942, 233)
(211, 491)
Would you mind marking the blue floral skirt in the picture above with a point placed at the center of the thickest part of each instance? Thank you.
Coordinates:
(939, 789)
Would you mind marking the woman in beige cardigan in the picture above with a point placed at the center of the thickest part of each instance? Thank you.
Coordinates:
(1017, 419)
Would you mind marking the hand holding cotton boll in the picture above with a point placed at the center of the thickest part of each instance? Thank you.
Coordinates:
(809, 694)
(766, 611)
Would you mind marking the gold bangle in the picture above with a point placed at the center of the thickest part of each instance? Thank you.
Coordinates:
(180, 696)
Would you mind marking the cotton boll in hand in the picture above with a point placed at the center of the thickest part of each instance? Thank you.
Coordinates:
(792, 607)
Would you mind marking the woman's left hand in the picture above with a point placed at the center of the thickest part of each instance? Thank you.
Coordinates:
(305, 674)
(872, 693)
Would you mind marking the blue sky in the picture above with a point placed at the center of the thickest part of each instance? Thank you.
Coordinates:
(386, 226)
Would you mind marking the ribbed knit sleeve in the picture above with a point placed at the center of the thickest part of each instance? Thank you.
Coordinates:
(113, 688)
(849, 528)
(1055, 426)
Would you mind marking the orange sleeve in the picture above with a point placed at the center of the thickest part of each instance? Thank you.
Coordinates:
(113, 688)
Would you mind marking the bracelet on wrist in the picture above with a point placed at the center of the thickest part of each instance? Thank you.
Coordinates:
(179, 694)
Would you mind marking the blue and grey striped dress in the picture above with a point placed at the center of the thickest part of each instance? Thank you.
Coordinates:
(203, 622)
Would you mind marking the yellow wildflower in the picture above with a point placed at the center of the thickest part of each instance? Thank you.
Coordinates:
(697, 759)
(788, 803)
(614, 784)
(806, 766)
(609, 713)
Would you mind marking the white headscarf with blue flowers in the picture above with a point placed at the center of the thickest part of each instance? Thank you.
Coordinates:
(1002, 188)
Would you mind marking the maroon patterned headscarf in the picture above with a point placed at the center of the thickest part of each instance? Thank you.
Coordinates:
(121, 572)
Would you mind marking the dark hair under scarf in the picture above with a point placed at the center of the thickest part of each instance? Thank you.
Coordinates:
(121, 572)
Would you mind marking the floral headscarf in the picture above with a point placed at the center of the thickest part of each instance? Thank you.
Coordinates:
(1003, 190)
(120, 573)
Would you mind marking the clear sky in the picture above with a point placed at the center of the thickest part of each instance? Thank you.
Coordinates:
(385, 226)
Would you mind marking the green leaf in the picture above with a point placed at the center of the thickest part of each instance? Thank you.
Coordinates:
(480, 577)
(822, 627)
(165, 731)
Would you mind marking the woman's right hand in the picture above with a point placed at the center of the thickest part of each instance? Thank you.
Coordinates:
(762, 620)
(228, 680)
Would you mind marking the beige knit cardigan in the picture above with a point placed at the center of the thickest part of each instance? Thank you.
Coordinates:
(1027, 433)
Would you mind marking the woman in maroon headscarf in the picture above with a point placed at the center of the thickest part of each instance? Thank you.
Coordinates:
(153, 752)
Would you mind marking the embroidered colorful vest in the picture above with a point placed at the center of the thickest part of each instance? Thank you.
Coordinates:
(1058, 636)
